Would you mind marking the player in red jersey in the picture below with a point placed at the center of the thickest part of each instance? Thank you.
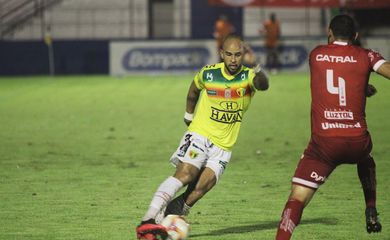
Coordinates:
(339, 85)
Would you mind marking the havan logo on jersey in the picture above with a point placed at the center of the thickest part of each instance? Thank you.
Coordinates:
(228, 105)
(336, 59)
(226, 116)
(338, 115)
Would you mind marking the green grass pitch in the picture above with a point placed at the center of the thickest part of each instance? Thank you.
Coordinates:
(80, 158)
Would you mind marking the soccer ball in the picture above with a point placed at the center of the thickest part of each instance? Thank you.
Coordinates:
(177, 227)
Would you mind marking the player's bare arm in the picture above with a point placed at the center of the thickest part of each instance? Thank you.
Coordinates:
(384, 70)
(192, 99)
(261, 79)
(249, 56)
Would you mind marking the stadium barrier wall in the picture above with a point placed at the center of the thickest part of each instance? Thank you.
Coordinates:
(178, 56)
(151, 57)
(70, 57)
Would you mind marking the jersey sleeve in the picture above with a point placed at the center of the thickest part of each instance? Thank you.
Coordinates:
(198, 80)
(375, 59)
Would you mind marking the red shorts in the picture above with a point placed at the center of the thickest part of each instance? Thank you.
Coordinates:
(324, 154)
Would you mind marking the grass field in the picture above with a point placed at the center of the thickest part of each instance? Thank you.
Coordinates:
(80, 158)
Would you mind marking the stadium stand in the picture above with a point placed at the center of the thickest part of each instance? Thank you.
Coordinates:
(89, 19)
(14, 14)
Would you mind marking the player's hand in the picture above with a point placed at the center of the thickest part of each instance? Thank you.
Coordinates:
(249, 58)
(370, 90)
(187, 122)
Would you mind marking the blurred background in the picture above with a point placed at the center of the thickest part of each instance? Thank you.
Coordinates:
(121, 37)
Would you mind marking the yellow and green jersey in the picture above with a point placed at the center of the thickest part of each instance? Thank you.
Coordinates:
(222, 104)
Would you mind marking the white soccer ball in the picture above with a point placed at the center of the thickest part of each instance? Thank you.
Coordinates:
(177, 227)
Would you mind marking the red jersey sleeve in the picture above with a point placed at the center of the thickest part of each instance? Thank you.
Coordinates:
(375, 59)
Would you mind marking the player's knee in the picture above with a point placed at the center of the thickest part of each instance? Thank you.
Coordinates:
(186, 173)
(302, 194)
(367, 163)
(300, 198)
(184, 177)
(370, 162)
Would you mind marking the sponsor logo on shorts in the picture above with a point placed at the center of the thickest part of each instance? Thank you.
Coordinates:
(183, 148)
(193, 154)
(196, 146)
(223, 164)
(327, 125)
(317, 177)
(338, 115)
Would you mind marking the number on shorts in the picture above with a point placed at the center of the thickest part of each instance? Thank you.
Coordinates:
(185, 146)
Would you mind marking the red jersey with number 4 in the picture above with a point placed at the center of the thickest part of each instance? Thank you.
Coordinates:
(339, 78)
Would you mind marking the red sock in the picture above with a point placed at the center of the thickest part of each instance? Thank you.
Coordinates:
(291, 217)
(367, 176)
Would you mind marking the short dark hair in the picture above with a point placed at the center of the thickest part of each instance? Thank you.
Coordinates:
(232, 36)
(343, 27)
(229, 37)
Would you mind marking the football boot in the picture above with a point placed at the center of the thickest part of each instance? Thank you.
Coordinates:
(372, 221)
(149, 230)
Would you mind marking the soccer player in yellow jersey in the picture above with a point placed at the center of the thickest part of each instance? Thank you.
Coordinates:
(221, 94)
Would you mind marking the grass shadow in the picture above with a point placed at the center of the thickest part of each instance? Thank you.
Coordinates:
(262, 226)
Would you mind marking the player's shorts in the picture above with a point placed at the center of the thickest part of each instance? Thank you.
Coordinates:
(200, 152)
(324, 154)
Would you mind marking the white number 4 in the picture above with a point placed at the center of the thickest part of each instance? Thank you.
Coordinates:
(340, 90)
